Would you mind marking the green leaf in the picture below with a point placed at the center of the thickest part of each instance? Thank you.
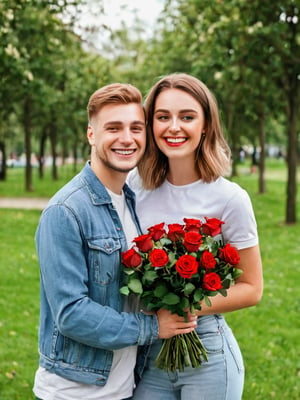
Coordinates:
(197, 306)
(198, 295)
(125, 290)
(150, 276)
(226, 283)
(160, 291)
(165, 241)
(184, 303)
(128, 271)
(223, 292)
(207, 301)
(188, 288)
(237, 272)
(171, 298)
(136, 286)
(172, 258)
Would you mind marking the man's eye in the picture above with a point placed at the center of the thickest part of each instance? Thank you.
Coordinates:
(137, 129)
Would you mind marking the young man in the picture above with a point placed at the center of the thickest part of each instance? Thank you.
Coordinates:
(88, 337)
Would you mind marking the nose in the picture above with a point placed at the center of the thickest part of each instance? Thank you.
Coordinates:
(174, 127)
(126, 136)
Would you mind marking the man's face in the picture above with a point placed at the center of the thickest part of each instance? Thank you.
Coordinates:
(117, 135)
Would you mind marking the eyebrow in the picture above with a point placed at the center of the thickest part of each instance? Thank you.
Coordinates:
(190, 110)
(137, 122)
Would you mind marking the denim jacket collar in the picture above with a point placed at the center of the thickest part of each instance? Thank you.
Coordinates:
(97, 190)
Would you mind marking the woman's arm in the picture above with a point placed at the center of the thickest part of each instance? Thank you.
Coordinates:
(248, 288)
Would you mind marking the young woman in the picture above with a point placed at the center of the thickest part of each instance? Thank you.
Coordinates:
(182, 176)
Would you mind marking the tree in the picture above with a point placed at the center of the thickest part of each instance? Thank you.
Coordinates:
(32, 43)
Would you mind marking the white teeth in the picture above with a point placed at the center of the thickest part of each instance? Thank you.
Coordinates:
(176, 140)
(124, 152)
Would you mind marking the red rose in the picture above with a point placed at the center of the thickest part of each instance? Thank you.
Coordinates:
(186, 266)
(212, 281)
(192, 225)
(192, 241)
(176, 232)
(229, 254)
(131, 259)
(144, 242)
(207, 261)
(212, 227)
(158, 258)
(157, 231)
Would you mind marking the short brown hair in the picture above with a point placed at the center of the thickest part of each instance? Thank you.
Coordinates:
(212, 156)
(114, 93)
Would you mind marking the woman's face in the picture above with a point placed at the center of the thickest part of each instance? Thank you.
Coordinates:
(178, 122)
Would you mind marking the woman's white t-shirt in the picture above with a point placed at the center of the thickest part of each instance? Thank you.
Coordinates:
(220, 199)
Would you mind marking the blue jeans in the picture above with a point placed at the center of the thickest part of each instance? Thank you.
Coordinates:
(128, 398)
(221, 378)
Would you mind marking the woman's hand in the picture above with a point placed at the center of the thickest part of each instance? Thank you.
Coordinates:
(172, 324)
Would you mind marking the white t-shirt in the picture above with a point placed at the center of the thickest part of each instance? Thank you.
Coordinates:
(220, 199)
(120, 383)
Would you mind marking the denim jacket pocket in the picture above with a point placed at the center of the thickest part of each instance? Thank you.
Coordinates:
(104, 259)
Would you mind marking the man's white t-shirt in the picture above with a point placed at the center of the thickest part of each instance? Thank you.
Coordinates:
(120, 383)
(220, 199)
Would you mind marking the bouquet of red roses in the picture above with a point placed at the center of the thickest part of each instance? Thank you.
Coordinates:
(177, 269)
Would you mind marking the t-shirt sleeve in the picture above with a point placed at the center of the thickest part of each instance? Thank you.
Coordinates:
(240, 228)
(133, 180)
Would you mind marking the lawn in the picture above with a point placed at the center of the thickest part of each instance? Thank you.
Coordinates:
(268, 333)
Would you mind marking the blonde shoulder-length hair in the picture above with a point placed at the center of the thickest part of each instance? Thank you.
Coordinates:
(213, 153)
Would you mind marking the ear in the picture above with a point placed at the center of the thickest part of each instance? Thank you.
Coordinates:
(90, 134)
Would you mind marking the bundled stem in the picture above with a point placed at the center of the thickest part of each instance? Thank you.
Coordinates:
(181, 351)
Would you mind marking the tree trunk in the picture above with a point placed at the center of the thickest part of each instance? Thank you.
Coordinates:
(262, 159)
(291, 189)
(233, 140)
(293, 102)
(3, 161)
(75, 156)
(53, 140)
(27, 132)
(42, 154)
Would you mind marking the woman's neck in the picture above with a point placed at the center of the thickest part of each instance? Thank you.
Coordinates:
(181, 173)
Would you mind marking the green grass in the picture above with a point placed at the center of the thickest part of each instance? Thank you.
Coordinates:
(19, 303)
(14, 186)
(268, 334)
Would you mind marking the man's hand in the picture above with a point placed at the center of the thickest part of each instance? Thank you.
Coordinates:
(172, 324)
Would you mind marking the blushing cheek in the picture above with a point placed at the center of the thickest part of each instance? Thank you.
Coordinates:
(157, 130)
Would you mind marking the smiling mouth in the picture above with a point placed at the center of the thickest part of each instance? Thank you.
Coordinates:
(176, 141)
(127, 152)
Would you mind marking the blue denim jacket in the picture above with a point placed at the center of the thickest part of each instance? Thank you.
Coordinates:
(79, 243)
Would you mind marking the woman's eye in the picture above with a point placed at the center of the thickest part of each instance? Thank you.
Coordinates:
(162, 117)
(187, 118)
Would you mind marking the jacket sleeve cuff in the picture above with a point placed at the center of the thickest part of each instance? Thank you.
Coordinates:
(148, 331)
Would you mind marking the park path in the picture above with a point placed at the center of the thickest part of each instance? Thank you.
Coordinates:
(26, 203)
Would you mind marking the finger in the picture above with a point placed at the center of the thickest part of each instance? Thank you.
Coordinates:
(183, 331)
(185, 325)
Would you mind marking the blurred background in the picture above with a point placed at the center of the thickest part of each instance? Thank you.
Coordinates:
(55, 53)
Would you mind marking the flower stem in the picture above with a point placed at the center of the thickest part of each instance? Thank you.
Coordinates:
(181, 351)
